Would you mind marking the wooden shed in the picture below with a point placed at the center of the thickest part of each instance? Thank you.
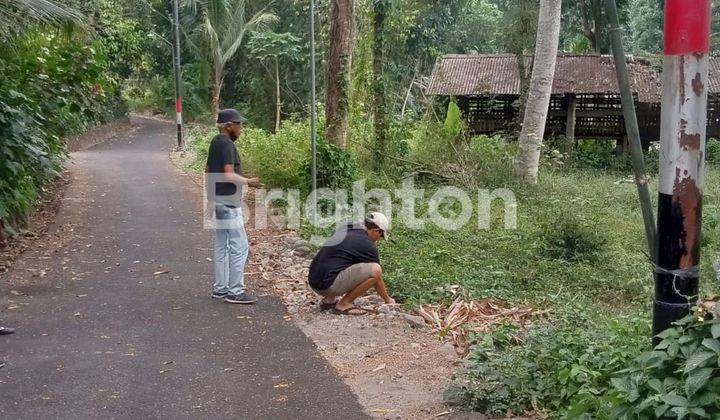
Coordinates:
(585, 101)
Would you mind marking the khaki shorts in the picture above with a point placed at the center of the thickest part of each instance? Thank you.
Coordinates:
(348, 279)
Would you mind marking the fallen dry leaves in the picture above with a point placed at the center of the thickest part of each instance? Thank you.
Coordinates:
(453, 323)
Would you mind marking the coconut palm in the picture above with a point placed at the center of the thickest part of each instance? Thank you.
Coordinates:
(538, 101)
(15, 15)
(216, 31)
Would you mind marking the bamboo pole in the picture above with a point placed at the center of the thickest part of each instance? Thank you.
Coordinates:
(631, 124)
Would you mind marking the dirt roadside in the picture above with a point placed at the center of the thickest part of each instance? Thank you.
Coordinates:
(395, 365)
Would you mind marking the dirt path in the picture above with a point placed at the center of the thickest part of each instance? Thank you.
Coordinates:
(114, 316)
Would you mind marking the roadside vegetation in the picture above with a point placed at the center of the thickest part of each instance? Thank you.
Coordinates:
(62, 72)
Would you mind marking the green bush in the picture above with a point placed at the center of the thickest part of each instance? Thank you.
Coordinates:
(596, 154)
(712, 151)
(52, 86)
(490, 158)
(678, 379)
(479, 160)
(278, 159)
(569, 239)
(336, 168)
(562, 367)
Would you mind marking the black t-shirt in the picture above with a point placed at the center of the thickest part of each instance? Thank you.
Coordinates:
(334, 257)
(223, 152)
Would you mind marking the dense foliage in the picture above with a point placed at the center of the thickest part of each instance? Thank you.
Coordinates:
(678, 379)
(57, 83)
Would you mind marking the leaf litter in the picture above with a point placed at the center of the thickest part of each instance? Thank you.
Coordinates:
(454, 323)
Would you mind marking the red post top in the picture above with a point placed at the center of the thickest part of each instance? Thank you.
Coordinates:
(178, 105)
(687, 26)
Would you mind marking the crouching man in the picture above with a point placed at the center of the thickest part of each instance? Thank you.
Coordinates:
(348, 265)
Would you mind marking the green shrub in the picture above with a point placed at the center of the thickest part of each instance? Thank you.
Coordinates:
(278, 159)
(596, 154)
(678, 379)
(562, 367)
(479, 160)
(652, 158)
(490, 158)
(52, 86)
(336, 168)
(454, 125)
(569, 239)
(712, 151)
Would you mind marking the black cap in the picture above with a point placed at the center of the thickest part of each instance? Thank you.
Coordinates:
(230, 115)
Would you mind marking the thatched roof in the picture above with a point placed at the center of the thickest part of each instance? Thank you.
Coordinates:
(472, 75)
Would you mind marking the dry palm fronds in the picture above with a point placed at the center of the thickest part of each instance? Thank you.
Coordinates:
(711, 306)
(453, 323)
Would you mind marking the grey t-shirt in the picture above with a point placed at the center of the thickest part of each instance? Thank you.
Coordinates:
(223, 152)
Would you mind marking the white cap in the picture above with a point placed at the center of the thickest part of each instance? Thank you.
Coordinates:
(380, 221)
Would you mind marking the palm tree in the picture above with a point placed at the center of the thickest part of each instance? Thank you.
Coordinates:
(538, 101)
(217, 29)
(15, 15)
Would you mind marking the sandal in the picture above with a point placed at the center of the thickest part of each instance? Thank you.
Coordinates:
(349, 311)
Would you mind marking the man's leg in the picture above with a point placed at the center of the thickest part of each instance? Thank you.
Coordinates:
(238, 248)
(375, 281)
(221, 261)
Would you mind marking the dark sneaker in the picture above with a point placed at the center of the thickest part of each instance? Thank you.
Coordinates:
(6, 331)
(244, 297)
(219, 295)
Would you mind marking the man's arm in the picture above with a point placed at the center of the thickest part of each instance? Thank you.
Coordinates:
(231, 176)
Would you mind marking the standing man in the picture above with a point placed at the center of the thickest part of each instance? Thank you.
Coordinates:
(224, 192)
(348, 265)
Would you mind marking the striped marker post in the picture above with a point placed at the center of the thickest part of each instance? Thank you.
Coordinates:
(176, 66)
(682, 159)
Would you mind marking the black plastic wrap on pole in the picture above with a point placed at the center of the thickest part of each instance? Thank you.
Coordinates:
(631, 125)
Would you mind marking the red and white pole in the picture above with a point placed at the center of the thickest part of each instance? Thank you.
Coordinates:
(178, 79)
(682, 159)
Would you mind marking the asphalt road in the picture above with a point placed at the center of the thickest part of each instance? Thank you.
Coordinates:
(100, 336)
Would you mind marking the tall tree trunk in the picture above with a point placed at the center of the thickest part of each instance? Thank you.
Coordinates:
(524, 77)
(380, 10)
(536, 108)
(278, 104)
(215, 89)
(337, 104)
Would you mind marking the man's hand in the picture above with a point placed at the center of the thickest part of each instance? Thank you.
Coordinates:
(254, 182)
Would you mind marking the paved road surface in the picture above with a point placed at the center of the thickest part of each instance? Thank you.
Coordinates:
(99, 336)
